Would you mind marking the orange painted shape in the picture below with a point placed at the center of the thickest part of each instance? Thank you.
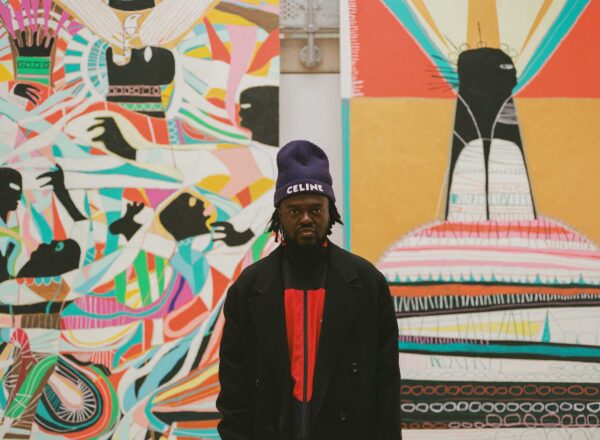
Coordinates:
(268, 50)
(244, 197)
(58, 230)
(135, 195)
(390, 63)
(220, 284)
(570, 71)
(218, 49)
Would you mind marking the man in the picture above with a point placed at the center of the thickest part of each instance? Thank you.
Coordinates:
(310, 343)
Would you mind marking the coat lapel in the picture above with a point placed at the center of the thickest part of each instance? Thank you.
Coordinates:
(338, 313)
(268, 314)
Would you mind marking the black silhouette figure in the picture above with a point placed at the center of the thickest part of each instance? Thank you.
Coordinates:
(112, 138)
(51, 259)
(485, 107)
(11, 188)
(56, 180)
(28, 91)
(184, 218)
(4, 257)
(137, 84)
(259, 113)
(126, 225)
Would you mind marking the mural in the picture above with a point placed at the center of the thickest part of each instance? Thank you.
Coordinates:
(470, 119)
(137, 146)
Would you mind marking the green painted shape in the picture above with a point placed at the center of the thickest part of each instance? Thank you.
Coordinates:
(211, 127)
(259, 245)
(160, 273)
(31, 383)
(141, 269)
(121, 287)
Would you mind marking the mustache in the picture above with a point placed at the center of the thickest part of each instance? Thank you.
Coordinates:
(310, 228)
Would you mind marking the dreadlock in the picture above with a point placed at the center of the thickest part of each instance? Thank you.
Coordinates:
(275, 223)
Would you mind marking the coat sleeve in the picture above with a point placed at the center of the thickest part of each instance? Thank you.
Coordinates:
(232, 402)
(388, 370)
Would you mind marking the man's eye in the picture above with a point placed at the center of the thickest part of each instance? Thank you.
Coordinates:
(317, 210)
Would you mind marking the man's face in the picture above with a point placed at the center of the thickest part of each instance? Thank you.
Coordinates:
(305, 218)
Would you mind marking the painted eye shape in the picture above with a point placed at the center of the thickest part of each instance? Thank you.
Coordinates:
(245, 105)
(59, 246)
(14, 186)
(507, 66)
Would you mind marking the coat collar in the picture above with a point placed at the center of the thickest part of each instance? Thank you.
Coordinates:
(268, 312)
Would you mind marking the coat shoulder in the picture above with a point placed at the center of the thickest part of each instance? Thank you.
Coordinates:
(363, 267)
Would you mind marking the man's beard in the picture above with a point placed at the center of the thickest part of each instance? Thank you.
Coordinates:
(304, 248)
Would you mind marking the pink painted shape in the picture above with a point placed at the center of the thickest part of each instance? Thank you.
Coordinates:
(19, 17)
(242, 168)
(61, 22)
(47, 7)
(157, 196)
(479, 263)
(508, 249)
(7, 19)
(243, 44)
(35, 8)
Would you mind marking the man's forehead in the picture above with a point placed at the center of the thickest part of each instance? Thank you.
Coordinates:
(305, 199)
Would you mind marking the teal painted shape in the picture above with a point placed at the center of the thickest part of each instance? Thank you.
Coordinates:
(550, 350)
(42, 226)
(559, 29)
(346, 172)
(563, 24)
(546, 334)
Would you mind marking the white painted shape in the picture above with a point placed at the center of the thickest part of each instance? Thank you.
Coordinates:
(509, 195)
(454, 31)
(514, 27)
(467, 200)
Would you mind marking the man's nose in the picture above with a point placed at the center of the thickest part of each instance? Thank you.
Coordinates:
(306, 219)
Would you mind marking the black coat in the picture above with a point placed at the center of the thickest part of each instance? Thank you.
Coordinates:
(357, 377)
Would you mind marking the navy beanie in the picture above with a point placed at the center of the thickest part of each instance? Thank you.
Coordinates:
(303, 168)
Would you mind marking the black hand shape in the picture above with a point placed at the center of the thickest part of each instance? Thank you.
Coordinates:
(4, 275)
(126, 225)
(57, 183)
(27, 91)
(112, 138)
(231, 236)
(56, 179)
(37, 44)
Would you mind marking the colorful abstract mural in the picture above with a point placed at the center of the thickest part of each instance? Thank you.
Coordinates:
(474, 122)
(137, 146)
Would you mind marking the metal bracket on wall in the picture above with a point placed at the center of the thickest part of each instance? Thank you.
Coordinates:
(310, 55)
(309, 36)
